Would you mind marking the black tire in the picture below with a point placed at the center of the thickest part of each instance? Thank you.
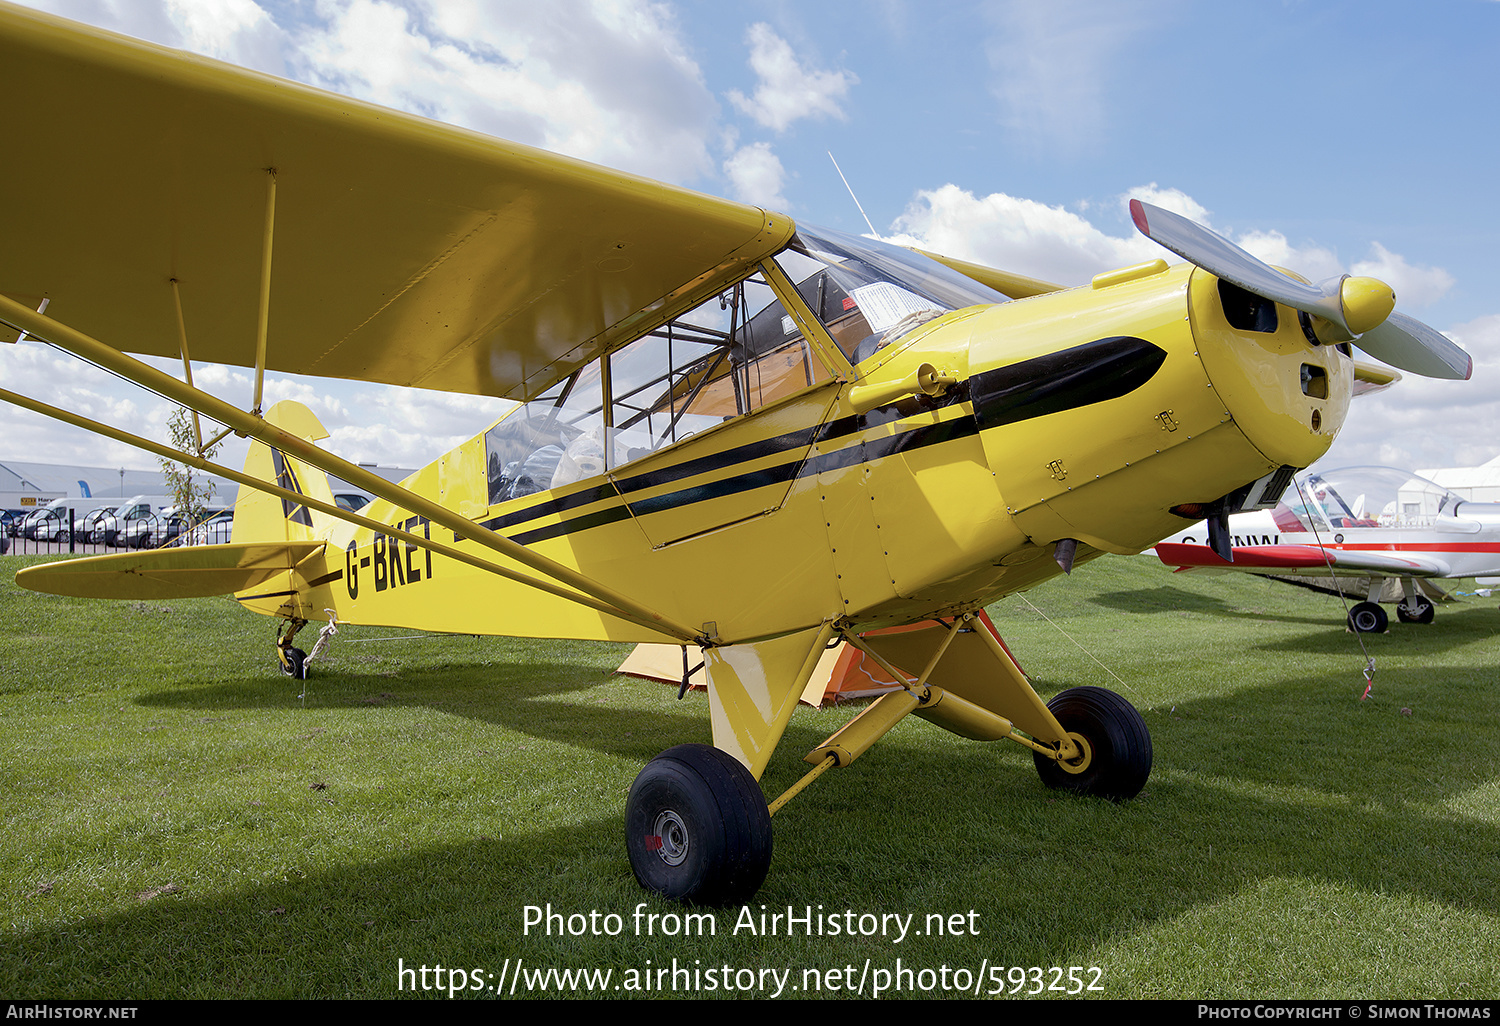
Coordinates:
(1117, 761)
(697, 828)
(1368, 618)
(295, 663)
(1422, 611)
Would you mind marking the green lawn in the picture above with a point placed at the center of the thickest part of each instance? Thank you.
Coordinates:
(181, 821)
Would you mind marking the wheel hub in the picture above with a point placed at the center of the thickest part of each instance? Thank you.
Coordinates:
(1080, 763)
(674, 837)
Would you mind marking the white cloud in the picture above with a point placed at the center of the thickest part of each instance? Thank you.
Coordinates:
(1415, 286)
(239, 31)
(756, 176)
(1312, 262)
(34, 369)
(787, 90)
(1175, 200)
(1018, 235)
(1058, 245)
(611, 83)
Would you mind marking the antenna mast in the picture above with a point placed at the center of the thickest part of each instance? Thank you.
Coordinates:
(852, 196)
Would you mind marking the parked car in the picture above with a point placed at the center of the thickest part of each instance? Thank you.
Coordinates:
(132, 509)
(51, 524)
(216, 530)
(91, 527)
(161, 530)
(17, 526)
(48, 523)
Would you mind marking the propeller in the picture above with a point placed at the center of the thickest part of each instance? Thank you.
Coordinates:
(1347, 308)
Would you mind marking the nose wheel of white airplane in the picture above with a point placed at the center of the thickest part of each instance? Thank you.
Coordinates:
(1114, 757)
(697, 828)
(1369, 618)
(1419, 610)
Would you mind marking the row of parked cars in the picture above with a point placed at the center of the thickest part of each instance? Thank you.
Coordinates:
(133, 524)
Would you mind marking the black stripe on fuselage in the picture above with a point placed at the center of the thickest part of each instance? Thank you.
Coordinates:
(1066, 380)
(1081, 376)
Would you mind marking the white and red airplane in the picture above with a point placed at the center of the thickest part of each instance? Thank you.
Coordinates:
(1370, 524)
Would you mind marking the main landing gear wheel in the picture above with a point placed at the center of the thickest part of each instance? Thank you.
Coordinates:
(1420, 611)
(697, 828)
(1116, 747)
(1368, 618)
(293, 663)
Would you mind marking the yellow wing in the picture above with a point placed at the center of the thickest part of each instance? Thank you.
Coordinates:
(1007, 283)
(191, 572)
(403, 250)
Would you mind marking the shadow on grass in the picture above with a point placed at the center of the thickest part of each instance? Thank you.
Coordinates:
(1291, 777)
(530, 698)
(1454, 621)
(1169, 599)
(1452, 627)
(1247, 788)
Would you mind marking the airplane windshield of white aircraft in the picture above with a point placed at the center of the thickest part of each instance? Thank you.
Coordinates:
(1363, 497)
(731, 355)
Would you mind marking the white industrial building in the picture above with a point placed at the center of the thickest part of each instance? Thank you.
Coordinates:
(1477, 484)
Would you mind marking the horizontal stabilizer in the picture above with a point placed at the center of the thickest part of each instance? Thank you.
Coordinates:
(187, 572)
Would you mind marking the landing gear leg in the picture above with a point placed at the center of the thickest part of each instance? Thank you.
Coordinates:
(1414, 607)
(291, 661)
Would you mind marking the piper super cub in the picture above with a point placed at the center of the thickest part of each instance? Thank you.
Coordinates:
(735, 433)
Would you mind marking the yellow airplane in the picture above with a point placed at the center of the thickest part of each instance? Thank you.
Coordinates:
(735, 433)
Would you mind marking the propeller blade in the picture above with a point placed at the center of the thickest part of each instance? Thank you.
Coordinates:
(1393, 338)
(1209, 250)
(1406, 342)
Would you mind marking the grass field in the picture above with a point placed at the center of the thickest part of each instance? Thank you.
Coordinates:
(180, 821)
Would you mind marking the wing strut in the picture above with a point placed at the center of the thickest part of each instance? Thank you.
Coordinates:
(243, 423)
(263, 312)
(246, 480)
(187, 361)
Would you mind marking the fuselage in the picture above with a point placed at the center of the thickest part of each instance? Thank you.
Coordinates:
(846, 491)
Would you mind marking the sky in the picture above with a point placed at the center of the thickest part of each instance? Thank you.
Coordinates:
(1327, 136)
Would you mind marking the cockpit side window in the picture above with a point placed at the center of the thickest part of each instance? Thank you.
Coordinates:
(729, 356)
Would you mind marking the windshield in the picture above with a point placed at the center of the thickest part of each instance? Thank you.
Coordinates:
(1366, 497)
(870, 293)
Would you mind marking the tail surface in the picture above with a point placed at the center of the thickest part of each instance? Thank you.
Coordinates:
(276, 551)
(261, 517)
